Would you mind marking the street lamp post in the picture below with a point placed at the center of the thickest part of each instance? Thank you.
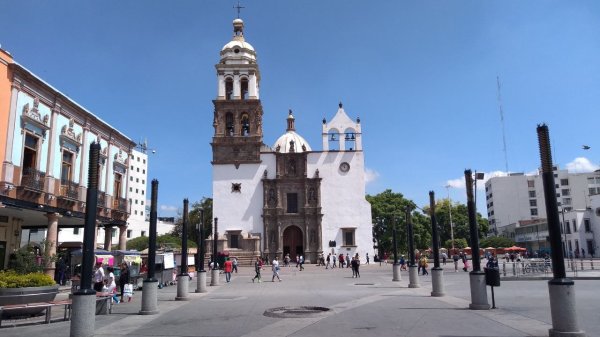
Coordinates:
(201, 279)
(437, 273)
(183, 281)
(476, 277)
(396, 266)
(214, 276)
(413, 271)
(450, 214)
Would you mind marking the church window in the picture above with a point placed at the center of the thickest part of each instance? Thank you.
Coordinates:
(244, 88)
(334, 140)
(292, 203)
(229, 89)
(245, 125)
(229, 124)
(348, 236)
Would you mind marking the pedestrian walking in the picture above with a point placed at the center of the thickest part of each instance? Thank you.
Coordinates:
(347, 259)
(455, 259)
(301, 262)
(424, 263)
(333, 259)
(367, 258)
(275, 269)
(124, 278)
(99, 277)
(227, 268)
(341, 259)
(234, 263)
(465, 262)
(297, 260)
(356, 265)
(257, 267)
(444, 258)
(328, 260)
(402, 263)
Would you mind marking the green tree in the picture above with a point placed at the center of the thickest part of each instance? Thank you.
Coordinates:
(458, 243)
(496, 242)
(460, 220)
(162, 241)
(388, 209)
(194, 219)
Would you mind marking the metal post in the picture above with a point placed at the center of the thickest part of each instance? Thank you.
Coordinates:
(413, 271)
(477, 277)
(396, 266)
(214, 279)
(450, 214)
(562, 289)
(84, 300)
(150, 289)
(437, 273)
(201, 273)
(183, 279)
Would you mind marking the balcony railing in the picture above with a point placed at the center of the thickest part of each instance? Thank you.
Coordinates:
(33, 179)
(101, 199)
(120, 204)
(69, 189)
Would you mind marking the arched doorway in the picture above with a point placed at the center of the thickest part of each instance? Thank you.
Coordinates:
(292, 242)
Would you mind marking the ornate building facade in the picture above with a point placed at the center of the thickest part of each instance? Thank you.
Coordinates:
(286, 198)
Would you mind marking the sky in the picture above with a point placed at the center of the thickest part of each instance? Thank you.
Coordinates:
(421, 75)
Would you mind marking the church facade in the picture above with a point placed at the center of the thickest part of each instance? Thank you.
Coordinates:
(286, 198)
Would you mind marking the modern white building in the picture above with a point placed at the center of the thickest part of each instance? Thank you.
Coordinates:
(519, 197)
(287, 198)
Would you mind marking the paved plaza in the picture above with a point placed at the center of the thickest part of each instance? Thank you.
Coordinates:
(372, 305)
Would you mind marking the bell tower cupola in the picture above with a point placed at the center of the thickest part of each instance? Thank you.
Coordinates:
(238, 110)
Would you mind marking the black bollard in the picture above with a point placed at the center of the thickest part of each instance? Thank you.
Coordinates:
(150, 288)
(183, 279)
(214, 279)
(84, 300)
(200, 272)
(477, 277)
(413, 271)
(562, 289)
(437, 273)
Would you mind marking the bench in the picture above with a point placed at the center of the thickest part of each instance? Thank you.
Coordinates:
(44, 305)
(104, 303)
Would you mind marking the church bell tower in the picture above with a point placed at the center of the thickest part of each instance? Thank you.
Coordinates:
(238, 110)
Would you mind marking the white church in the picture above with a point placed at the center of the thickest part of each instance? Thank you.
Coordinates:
(287, 198)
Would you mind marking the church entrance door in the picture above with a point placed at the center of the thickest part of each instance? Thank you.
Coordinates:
(292, 242)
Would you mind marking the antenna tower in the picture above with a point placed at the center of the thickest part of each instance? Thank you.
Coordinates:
(502, 122)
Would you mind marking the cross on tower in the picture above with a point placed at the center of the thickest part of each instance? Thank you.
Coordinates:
(238, 7)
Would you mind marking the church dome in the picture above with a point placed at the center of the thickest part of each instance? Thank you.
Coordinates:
(291, 141)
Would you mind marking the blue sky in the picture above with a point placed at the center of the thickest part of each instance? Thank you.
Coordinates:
(420, 74)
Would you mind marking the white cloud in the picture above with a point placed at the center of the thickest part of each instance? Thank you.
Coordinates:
(370, 175)
(581, 164)
(168, 208)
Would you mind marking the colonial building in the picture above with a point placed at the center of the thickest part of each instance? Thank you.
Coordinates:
(287, 198)
(44, 144)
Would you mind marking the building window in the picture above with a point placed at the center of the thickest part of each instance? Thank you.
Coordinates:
(129, 233)
(131, 189)
(130, 178)
(137, 180)
(568, 226)
(132, 167)
(565, 192)
(245, 125)
(534, 211)
(586, 223)
(136, 201)
(76, 231)
(229, 88)
(530, 183)
(348, 236)
(67, 166)
(566, 201)
(142, 192)
(564, 182)
(574, 226)
(138, 159)
(292, 203)
(138, 169)
(141, 212)
(144, 161)
(532, 194)
(244, 88)
(30, 152)
(144, 233)
(113, 232)
(144, 181)
(142, 202)
(143, 171)
(533, 203)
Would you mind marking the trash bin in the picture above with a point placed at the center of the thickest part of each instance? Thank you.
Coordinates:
(492, 277)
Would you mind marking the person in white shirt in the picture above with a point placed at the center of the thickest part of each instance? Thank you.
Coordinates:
(99, 277)
(275, 269)
(111, 285)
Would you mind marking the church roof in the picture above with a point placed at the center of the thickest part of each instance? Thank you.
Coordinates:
(238, 47)
(290, 141)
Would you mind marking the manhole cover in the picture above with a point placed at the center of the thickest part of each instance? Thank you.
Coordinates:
(295, 312)
(364, 284)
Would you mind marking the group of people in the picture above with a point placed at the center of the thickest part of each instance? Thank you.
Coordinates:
(106, 282)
